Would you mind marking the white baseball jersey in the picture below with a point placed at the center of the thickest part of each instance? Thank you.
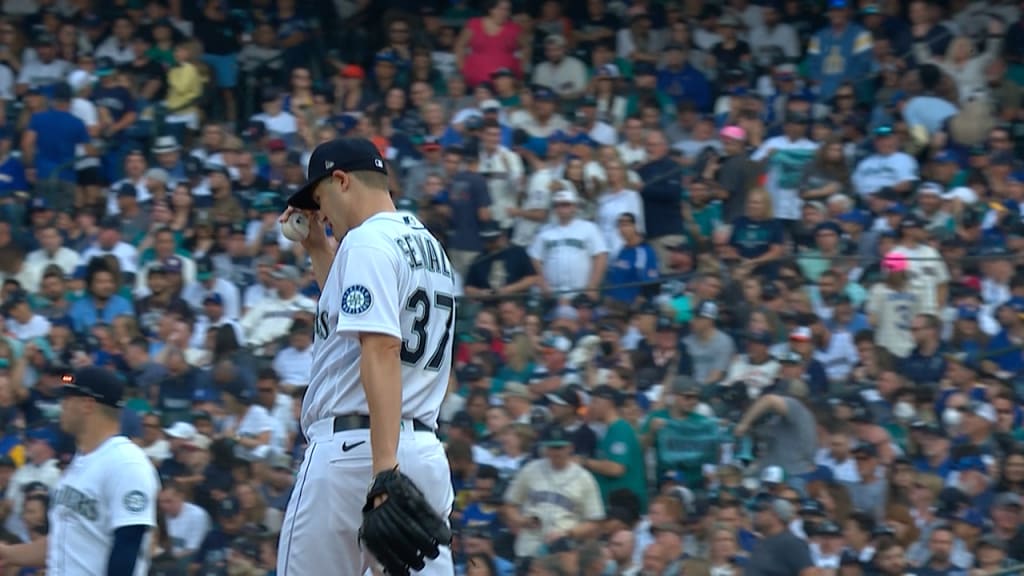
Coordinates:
(561, 499)
(927, 273)
(390, 276)
(893, 313)
(567, 252)
(113, 486)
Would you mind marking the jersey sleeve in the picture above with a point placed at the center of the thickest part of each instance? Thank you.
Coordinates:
(618, 446)
(592, 505)
(596, 240)
(131, 492)
(874, 304)
(369, 291)
(536, 249)
(762, 152)
(907, 168)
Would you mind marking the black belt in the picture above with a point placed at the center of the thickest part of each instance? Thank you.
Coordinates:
(362, 422)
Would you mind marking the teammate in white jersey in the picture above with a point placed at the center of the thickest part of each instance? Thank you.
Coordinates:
(381, 360)
(104, 506)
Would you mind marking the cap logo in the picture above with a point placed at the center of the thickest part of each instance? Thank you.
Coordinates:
(378, 163)
(328, 165)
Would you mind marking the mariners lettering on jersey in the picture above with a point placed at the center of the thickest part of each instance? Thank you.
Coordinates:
(568, 242)
(322, 328)
(537, 497)
(879, 171)
(71, 501)
(423, 252)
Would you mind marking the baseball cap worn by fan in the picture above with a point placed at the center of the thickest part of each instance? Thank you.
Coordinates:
(564, 397)
(228, 507)
(557, 437)
(895, 261)
(564, 197)
(707, 309)
(181, 431)
(204, 269)
(286, 272)
(516, 390)
(344, 154)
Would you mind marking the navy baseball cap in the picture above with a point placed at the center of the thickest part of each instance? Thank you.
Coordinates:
(97, 383)
(38, 205)
(557, 437)
(345, 154)
(228, 507)
(606, 392)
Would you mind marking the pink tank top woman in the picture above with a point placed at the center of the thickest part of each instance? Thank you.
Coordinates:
(487, 52)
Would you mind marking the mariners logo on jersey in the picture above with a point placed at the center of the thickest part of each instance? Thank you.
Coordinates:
(356, 300)
(135, 501)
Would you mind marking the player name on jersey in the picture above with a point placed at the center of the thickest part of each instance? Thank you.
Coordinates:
(423, 252)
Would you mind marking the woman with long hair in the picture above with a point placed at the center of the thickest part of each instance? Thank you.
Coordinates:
(396, 111)
(520, 360)
(422, 69)
(533, 327)
(514, 443)
(757, 237)
(255, 510)
(204, 239)
(12, 43)
(724, 552)
(892, 305)
(617, 198)
(492, 42)
(828, 173)
(1011, 473)
(611, 105)
(181, 212)
(898, 517)
(900, 483)
(576, 174)
(71, 44)
(924, 490)
(834, 498)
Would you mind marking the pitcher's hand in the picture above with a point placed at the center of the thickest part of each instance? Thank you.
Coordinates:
(317, 239)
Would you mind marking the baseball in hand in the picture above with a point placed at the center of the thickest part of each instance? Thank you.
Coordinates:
(296, 227)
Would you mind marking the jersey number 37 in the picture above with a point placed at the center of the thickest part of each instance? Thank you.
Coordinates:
(415, 346)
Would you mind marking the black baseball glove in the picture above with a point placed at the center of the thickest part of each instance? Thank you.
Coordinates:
(403, 531)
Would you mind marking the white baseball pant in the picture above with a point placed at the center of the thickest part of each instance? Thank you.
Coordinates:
(321, 526)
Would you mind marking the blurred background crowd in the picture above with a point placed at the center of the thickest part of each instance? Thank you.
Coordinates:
(740, 279)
